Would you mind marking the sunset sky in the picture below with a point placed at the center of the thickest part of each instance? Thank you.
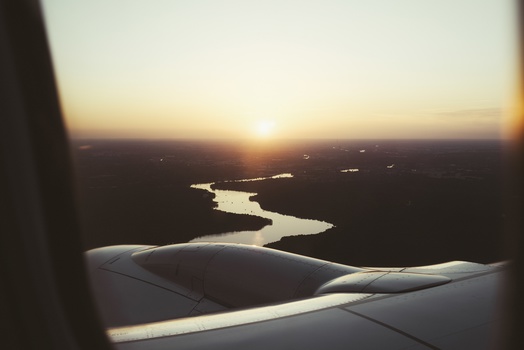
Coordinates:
(284, 68)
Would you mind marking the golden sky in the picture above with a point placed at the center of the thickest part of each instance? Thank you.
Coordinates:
(284, 68)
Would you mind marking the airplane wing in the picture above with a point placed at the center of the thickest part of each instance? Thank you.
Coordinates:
(224, 296)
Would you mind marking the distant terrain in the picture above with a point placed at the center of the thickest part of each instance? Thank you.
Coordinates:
(392, 202)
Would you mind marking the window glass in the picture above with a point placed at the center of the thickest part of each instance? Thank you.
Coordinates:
(374, 128)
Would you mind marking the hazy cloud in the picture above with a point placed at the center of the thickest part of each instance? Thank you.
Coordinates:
(479, 115)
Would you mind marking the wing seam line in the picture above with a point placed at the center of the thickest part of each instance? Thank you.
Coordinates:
(418, 340)
(153, 284)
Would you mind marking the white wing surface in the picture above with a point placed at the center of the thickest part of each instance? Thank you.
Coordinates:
(225, 296)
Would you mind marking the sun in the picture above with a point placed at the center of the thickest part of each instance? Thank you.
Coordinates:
(264, 128)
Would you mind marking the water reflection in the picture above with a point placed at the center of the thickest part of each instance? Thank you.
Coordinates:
(238, 202)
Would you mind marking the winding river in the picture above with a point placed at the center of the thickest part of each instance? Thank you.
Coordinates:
(238, 202)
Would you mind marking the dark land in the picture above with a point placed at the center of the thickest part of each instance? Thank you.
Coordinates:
(410, 203)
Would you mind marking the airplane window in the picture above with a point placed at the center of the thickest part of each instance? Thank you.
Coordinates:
(365, 133)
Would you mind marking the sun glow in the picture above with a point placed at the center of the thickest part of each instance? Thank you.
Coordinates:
(265, 128)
